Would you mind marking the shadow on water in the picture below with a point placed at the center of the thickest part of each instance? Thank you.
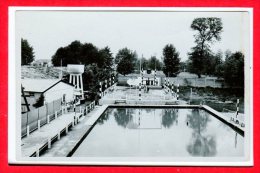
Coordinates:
(200, 145)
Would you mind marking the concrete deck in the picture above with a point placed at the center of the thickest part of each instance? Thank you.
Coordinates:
(40, 137)
(224, 117)
(68, 143)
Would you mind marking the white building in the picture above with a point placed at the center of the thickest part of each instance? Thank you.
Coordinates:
(51, 89)
(42, 63)
(152, 77)
(147, 77)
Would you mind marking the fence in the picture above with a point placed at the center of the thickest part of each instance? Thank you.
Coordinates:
(36, 118)
(198, 82)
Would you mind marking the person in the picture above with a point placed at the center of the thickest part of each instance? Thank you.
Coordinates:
(147, 89)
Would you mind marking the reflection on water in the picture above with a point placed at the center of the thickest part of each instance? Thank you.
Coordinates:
(200, 145)
(144, 132)
(123, 116)
(169, 117)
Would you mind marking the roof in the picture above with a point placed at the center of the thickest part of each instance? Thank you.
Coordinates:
(40, 85)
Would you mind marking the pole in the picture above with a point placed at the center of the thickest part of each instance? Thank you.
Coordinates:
(100, 89)
(168, 84)
(172, 89)
(177, 92)
(237, 105)
(139, 91)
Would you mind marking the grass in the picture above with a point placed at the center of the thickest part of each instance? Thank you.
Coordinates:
(217, 98)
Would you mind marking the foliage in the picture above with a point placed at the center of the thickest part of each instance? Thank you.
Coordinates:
(154, 63)
(126, 60)
(39, 102)
(196, 61)
(98, 62)
(171, 61)
(27, 52)
(208, 32)
(234, 70)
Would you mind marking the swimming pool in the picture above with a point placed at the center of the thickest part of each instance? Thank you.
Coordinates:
(160, 132)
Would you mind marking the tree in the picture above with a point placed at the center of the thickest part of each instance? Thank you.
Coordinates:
(219, 64)
(196, 63)
(106, 58)
(126, 60)
(90, 54)
(70, 54)
(39, 102)
(27, 52)
(208, 32)
(154, 63)
(144, 64)
(171, 61)
(234, 70)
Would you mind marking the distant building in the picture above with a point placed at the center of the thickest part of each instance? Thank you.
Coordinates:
(51, 89)
(42, 63)
(147, 77)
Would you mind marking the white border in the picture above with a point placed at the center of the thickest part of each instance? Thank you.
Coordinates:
(13, 99)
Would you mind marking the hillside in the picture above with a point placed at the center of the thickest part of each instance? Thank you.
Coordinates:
(37, 72)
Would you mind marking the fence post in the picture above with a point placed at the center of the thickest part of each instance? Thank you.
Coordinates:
(86, 110)
(28, 130)
(56, 115)
(67, 129)
(65, 109)
(49, 143)
(73, 122)
(48, 119)
(62, 110)
(59, 136)
(39, 124)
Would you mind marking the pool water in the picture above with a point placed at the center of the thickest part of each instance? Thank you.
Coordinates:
(154, 132)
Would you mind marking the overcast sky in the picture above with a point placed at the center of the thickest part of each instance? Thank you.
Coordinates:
(144, 32)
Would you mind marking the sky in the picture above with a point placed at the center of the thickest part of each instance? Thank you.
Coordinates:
(144, 32)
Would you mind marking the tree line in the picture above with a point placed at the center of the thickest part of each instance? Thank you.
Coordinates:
(101, 64)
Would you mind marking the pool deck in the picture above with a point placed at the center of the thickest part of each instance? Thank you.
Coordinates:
(68, 143)
(42, 137)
